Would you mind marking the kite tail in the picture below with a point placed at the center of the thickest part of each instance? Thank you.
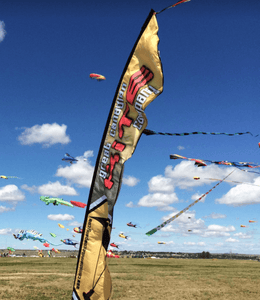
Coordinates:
(179, 2)
(151, 132)
(53, 244)
(185, 209)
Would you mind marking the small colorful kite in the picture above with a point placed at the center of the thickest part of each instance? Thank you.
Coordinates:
(69, 158)
(33, 235)
(114, 245)
(202, 162)
(123, 236)
(98, 77)
(55, 201)
(78, 229)
(130, 224)
(69, 242)
(6, 177)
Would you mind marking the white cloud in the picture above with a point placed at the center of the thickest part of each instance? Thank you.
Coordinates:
(242, 194)
(60, 217)
(231, 240)
(75, 224)
(6, 231)
(46, 134)
(2, 31)
(214, 227)
(218, 231)
(80, 172)
(32, 189)
(160, 184)
(5, 209)
(11, 193)
(183, 223)
(56, 189)
(189, 243)
(180, 148)
(170, 243)
(158, 199)
(182, 175)
(215, 216)
(201, 244)
(242, 235)
(130, 204)
(130, 180)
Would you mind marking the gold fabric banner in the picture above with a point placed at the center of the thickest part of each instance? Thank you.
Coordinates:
(140, 84)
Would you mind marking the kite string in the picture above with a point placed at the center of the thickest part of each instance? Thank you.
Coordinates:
(179, 2)
(185, 209)
(152, 132)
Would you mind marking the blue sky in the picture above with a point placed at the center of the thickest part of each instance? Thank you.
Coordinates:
(50, 106)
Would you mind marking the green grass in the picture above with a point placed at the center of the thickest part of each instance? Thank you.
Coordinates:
(133, 278)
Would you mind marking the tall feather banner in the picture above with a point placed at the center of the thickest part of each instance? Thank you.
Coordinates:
(140, 83)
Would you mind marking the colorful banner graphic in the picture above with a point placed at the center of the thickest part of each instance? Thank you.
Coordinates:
(140, 83)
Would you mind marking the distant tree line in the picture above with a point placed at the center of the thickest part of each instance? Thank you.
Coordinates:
(204, 255)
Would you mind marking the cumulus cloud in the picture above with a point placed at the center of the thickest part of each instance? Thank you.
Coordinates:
(215, 227)
(75, 224)
(46, 134)
(183, 223)
(60, 217)
(242, 194)
(130, 204)
(201, 244)
(182, 176)
(189, 243)
(215, 216)
(32, 189)
(80, 172)
(242, 235)
(5, 209)
(218, 231)
(11, 193)
(158, 199)
(180, 148)
(2, 31)
(231, 240)
(6, 231)
(130, 180)
(183, 173)
(160, 184)
(54, 189)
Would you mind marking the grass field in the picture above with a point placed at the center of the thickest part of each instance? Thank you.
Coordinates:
(140, 279)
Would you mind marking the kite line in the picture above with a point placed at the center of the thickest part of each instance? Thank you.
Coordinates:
(185, 209)
(179, 2)
(232, 181)
(151, 132)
